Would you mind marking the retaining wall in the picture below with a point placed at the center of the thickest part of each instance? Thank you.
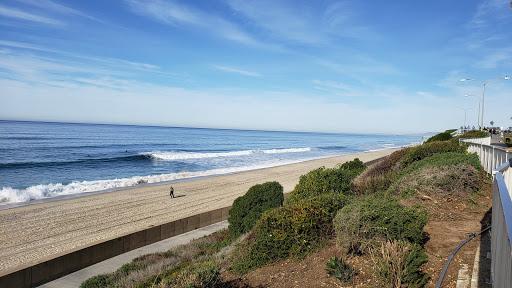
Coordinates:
(70, 262)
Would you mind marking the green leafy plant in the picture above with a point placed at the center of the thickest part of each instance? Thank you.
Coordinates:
(247, 209)
(99, 281)
(399, 264)
(443, 136)
(474, 134)
(361, 224)
(429, 149)
(337, 268)
(291, 230)
(326, 180)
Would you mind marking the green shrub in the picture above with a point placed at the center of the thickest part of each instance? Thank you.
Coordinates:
(247, 209)
(202, 274)
(291, 230)
(443, 136)
(398, 264)
(379, 176)
(326, 180)
(362, 223)
(99, 281)
(444, 173)
(474, 134)
(428, 149)
(337, 268)
(444, 159)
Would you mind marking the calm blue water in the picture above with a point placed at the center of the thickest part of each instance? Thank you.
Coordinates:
(42, 160)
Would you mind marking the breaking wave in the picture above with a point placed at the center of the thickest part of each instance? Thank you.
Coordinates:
(9, 195)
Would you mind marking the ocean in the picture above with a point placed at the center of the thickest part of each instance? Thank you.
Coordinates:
(41, 160)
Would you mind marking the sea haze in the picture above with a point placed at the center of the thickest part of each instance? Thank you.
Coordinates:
(43, 160)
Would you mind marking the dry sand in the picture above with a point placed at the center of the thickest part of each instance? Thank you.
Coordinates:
(33, 233)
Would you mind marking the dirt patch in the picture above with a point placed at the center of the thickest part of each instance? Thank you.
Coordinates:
(308, 272)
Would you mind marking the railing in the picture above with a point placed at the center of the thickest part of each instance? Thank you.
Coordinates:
(501, 233)
(497, 160)
(491, 156)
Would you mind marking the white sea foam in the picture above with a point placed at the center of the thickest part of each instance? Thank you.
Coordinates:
(10, 195)
(195, 155)
(179, 155)
(286, 150)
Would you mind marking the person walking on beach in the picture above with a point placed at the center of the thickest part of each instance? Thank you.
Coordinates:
(171, 192)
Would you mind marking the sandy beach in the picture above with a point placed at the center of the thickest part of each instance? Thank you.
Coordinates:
(32, 233)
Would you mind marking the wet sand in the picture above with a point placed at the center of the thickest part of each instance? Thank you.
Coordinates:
(33, 233)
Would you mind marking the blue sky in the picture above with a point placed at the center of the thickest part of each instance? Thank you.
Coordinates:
(337, 66)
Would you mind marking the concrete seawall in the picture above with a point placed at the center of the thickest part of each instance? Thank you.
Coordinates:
(61, 265)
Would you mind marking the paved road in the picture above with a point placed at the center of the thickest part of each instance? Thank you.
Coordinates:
(112, 264)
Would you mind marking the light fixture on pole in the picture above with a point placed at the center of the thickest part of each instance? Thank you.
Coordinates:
(467, 95)
(484, 85)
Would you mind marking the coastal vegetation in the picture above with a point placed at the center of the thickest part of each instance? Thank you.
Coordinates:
(369, 222)
(473, 134)
(443, 136)
(326, 180)
(247, 209)
(292, 230)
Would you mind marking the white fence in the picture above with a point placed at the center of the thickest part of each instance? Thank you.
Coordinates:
(496, 161)
(486, 140)
(501, 231)
(491, 157)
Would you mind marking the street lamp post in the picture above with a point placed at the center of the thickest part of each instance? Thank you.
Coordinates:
(478, 110)
(465, 115)
(482, 106)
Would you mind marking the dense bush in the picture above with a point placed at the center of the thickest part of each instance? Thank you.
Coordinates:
(201, 274)
(362, 223)
(474, 134)
(99, 281)
(247, 209)
(443, 173)
(326, 180)
(399, 263)
(443, 136)
(291, 230)
(428, 149)
(337, 268)
(380, 175)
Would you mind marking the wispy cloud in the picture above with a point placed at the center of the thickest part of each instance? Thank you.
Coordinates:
(175, 14)
(335, 87)
(30, 63)
(300, 22)
(498, 58)
(235, 70)
(54, 7)
(489, 11)
(26, 16)
(82, 60)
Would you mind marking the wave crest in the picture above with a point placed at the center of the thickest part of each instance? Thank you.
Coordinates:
(182, 155)
(10, 195)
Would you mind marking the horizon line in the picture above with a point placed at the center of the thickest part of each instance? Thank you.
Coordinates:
(214, 128)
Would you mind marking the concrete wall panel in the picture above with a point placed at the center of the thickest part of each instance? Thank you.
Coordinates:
(51, 269)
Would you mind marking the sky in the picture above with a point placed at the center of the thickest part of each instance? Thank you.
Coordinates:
(329, 66)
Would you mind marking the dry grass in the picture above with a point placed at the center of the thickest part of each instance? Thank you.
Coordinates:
(389, 261)
(462, 179)
(379, 176)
